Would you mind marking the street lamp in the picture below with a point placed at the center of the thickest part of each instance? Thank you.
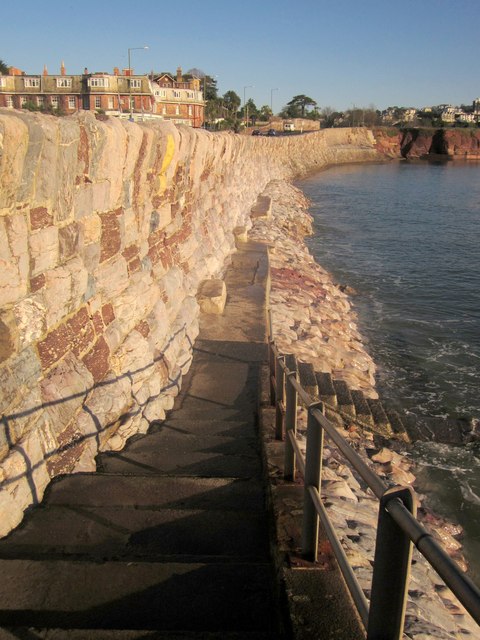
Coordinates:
(271, 99)
(130, 78)
(248, 86)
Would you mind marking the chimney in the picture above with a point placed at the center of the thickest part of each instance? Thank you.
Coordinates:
(179, 74)
(116, 71)
(45, 70)
(127, 72)
(62, 69)
(85, 72)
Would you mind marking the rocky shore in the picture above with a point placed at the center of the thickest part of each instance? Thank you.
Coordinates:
(313, 319)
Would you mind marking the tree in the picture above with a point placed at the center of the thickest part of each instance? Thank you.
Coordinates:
(214, 110)
(208, 85)
(250, 111)
(3, 68)
(230, 105)
(231, 102)
(328, 117)
(298, 105)
(265, 112)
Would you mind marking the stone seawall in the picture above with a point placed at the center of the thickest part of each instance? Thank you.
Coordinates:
(107, 230)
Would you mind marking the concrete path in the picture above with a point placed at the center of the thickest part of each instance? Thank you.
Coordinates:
(170, 538)
(173, 537)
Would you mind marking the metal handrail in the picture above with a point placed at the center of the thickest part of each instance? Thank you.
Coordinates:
(397, 527)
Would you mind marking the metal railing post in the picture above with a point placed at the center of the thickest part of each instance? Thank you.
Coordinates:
(313, 472)
(271, 363)
(290, 419)
(280, 396)
(391, 570)
(397, 528)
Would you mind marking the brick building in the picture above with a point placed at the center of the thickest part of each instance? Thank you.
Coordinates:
(118, 94)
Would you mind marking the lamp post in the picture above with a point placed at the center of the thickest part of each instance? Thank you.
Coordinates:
(248, 86)
(271, 98)
(130, 79)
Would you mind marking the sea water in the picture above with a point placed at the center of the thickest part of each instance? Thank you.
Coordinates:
(406, 237)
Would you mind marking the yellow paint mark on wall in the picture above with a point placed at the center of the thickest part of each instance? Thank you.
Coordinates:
(167, 159)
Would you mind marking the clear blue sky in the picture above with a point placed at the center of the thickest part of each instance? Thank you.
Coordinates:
(339, 52)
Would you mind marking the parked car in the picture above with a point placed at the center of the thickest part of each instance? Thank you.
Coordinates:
(256, 132)
(271, 132)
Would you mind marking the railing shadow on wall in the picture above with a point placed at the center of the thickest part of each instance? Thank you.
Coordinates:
(6, 420)
(397, 526)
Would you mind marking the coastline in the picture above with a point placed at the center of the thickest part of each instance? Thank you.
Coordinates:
(313, 319)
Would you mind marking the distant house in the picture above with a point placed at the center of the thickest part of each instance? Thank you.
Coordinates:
(118, 94)
(409, 115)
(466, 117)
(448, 113)
(178, 99)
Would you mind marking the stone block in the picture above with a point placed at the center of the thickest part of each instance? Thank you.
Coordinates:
(212, 296)
(382, 423)
(241, 234)
(307, 378)
(44, 249)
(362, 408)
(326, 390)
(344, 397)
(262, 208)
(8, 335)
(64, 390)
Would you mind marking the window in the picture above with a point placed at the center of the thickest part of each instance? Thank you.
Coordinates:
(98, 102)
(40, 101)
(10, 102)
(54, 100)
(23, 101)
(177, 110)
(98, 82)
(3, 82)
(189, 109)
(176, 94)
(63, 83)
(31, 82)
(110, 103)
(164, 110)
(71, 102)
(135, 84)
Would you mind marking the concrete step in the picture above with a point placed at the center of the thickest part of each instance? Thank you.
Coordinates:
(185, 455)
(186, 535)
(229, 351)
(181, 444)
(218, 414)
(135, 595)
(131, 634)
(147, 491)
(207, 427)
(172, 453)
